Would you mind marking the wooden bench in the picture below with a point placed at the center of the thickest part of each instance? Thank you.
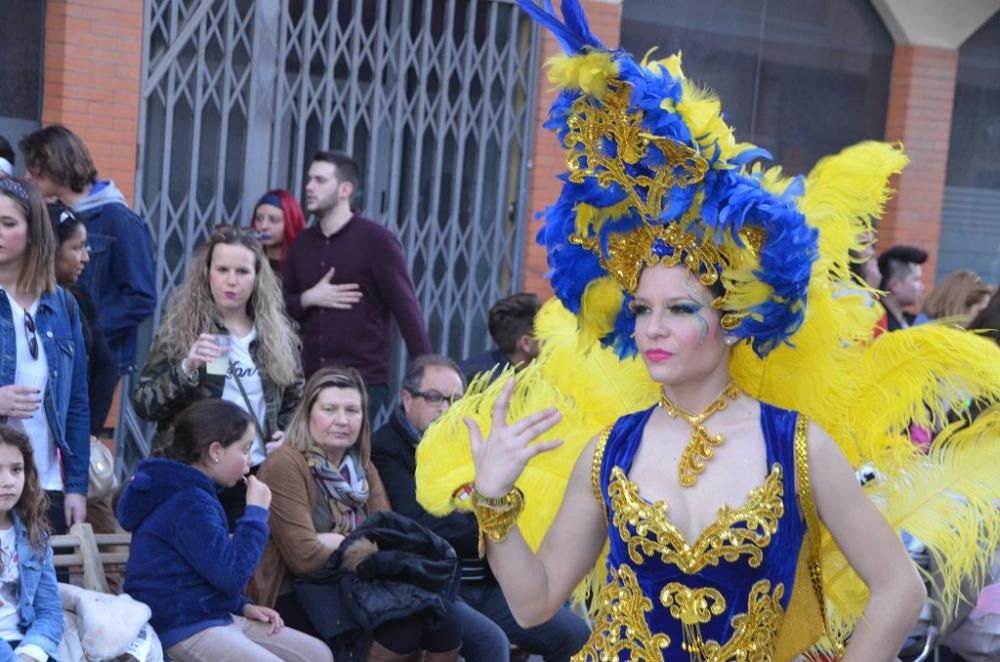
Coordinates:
(90, 558)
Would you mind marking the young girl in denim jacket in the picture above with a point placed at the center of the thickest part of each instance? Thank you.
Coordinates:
(31, 620)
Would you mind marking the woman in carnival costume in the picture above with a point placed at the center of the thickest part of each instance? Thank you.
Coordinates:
(707, 388)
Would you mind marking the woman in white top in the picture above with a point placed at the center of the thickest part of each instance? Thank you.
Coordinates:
(231, 297)
(43, 359)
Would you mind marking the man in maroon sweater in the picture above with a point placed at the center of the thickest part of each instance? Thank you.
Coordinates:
(344, 277)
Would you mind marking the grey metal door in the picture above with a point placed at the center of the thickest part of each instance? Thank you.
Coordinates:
(433, 97)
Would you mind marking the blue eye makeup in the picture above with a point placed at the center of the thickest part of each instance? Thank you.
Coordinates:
(637, 308)
(684, 308)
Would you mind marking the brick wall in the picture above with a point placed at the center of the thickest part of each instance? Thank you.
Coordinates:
(548, 159)
(93, 54)
(921, 98)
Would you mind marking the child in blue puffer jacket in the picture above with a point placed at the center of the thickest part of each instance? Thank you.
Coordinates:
(182, 562)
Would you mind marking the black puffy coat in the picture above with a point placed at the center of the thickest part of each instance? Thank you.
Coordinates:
(414, 571)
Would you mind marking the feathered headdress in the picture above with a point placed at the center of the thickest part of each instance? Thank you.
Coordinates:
(656, 176)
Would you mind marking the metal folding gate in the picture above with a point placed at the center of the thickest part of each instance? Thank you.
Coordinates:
(433, 97)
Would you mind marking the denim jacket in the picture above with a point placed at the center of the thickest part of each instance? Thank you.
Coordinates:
(66, 400)
(39, 606)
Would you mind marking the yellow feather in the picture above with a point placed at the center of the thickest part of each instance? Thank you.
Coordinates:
(592, 388)
(702, 112)
(671, 63)
(600, 305)
(589, 72)
(916, 376)
(843, 193)
(947, 500)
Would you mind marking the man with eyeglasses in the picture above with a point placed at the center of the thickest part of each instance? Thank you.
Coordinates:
(431, 384)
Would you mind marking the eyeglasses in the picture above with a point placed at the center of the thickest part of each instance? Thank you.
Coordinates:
(29, 331)
(436, 398)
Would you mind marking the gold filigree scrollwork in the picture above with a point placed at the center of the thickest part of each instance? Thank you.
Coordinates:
(655, 534)
(595, 125)
(755, 632)
(620, 625)
(628, 253)
(699, 450)
(612, 119)
(692, 606)
(701, 447)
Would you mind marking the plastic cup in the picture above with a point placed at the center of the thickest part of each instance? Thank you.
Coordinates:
(220, 366)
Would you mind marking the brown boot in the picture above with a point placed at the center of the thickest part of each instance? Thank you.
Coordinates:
(447, 656)
(379, 653)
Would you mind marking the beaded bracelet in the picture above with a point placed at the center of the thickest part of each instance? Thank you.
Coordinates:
(496, 515)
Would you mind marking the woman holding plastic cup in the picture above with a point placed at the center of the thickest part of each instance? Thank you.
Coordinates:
(225, 335)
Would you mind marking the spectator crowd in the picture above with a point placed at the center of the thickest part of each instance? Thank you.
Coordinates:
(272, 512)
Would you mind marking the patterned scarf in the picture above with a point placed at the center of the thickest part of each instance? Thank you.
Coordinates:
(345, 488)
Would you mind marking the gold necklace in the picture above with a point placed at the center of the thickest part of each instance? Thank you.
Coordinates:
(699, 449)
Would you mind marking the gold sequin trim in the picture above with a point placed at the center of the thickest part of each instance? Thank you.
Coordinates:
(595, 468)
(623, 606)
(656, 534)
(807, 505)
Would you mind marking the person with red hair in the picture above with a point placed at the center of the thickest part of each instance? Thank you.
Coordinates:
(278, 218)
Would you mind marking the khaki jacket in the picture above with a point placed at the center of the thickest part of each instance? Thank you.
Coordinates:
(163, 391)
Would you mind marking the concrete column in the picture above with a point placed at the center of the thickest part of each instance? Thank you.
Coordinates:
(928, 34)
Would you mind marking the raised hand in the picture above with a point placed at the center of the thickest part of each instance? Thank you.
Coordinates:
(258, 493)
(501, 457)
(327, 294)
(204, 349)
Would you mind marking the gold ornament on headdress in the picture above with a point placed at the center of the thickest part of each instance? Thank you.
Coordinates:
(613, 119)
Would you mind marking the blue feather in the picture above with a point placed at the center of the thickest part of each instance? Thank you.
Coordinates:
(574, 36)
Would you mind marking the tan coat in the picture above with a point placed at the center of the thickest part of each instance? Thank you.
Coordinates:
(294, 548)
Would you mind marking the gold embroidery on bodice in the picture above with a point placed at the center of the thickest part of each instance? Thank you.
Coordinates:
(755, 632)
(622, 605)
(692, 606)
(656, 534)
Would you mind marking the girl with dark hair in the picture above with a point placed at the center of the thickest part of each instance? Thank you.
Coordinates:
(278, 218)
(72, 256)
(183, 563)
(31, 621)
(325, 486)
(43, 375)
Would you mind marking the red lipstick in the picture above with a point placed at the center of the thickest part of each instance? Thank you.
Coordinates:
(658, 355)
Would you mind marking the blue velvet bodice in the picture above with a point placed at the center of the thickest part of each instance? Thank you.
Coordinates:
(720, 597)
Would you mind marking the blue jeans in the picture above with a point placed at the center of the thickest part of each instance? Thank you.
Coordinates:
(482, 639)
(556, 640)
